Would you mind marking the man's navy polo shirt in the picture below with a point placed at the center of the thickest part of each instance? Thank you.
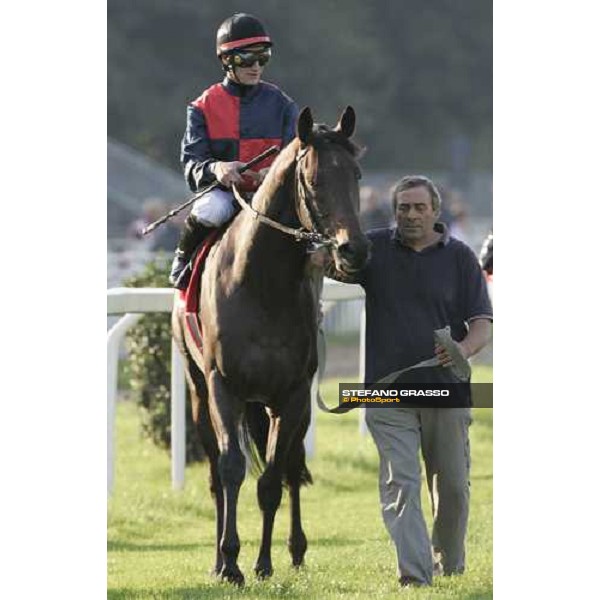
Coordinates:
(409, 294)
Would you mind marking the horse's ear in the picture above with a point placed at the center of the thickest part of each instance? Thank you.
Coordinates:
(347, 122)
(305, 125)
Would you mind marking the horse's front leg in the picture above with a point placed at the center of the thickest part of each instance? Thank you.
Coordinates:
(268, 489)
(225, 412)
(283, 429)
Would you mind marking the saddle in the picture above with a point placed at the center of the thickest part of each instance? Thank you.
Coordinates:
(188, 300)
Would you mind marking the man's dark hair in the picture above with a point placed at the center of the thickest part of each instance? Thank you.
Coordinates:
(412, 181)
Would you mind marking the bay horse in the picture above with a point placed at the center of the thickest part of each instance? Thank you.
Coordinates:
(258, 312)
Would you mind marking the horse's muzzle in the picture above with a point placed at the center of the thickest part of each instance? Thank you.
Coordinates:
(353, 255)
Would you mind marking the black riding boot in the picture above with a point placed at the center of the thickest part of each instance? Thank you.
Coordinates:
(194, 233)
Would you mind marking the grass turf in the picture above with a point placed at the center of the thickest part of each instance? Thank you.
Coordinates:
(161, 542)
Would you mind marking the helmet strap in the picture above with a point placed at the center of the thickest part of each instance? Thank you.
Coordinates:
(233, 75)
(228, 68)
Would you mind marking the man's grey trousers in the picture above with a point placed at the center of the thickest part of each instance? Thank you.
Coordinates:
(442, 434)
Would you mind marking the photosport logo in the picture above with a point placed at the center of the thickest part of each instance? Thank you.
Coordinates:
(419, 395)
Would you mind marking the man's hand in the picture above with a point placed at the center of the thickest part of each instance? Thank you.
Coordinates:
(444, 357)
(480, 332)
(227, 172)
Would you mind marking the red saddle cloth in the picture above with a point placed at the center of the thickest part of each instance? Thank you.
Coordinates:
(189, 299)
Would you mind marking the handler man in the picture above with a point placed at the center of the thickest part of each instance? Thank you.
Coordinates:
(420, 279)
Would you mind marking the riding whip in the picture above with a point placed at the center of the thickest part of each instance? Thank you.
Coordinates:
(245, 167)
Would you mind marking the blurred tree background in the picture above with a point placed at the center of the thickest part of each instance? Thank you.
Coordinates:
(418, 72)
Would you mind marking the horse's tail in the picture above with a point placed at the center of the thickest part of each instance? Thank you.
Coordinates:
(255, 433)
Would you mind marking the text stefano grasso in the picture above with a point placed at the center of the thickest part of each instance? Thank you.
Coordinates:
(365, 393)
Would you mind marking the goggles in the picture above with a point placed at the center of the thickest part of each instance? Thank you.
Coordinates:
(246, 58)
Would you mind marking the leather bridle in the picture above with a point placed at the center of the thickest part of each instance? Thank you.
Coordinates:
(314, 234)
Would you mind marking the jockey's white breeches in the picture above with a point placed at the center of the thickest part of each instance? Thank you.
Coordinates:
(214, 208)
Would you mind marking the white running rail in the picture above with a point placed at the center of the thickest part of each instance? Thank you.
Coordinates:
(133, 303)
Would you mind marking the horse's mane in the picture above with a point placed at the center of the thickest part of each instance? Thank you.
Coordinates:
(280, 169)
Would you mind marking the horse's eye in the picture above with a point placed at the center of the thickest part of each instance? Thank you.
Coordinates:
(358, 174)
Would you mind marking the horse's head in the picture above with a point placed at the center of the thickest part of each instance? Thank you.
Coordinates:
(327, 193)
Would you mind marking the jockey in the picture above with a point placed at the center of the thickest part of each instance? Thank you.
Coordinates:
(229, 124)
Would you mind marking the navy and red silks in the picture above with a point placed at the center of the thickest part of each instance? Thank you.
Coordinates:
(233, 122)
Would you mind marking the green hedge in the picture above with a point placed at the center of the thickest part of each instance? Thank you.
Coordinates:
(148, 369)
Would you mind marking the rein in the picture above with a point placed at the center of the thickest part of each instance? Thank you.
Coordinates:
(300, 234)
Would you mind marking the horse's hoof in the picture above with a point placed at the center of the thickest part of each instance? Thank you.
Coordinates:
(297, 550)
(232, 575)
(263, 569)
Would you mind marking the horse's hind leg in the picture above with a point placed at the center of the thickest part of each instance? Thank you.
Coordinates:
(208, 438)
(297, 474)
(226, 415)
(216, 489)
(201, 417)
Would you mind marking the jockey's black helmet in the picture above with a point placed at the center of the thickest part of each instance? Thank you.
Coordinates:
(241, 30)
